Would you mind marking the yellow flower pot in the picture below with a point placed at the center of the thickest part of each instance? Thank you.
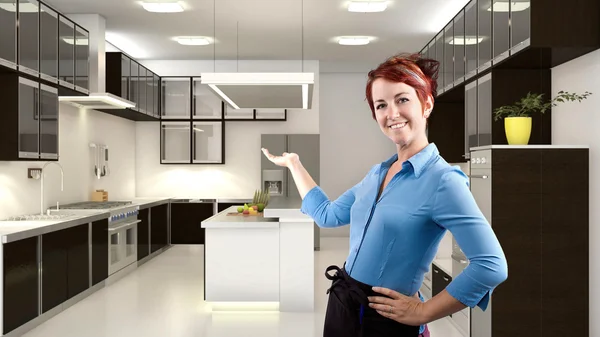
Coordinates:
(518, 130)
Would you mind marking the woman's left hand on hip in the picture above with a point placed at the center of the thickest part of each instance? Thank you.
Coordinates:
(401, 308)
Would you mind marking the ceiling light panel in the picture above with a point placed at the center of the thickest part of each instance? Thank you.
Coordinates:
(367, 6)
(353, 41)
(163, 7)
(192, 40)
(509, 6)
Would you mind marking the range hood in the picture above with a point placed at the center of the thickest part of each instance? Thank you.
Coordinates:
(97, 101)
(262, 90)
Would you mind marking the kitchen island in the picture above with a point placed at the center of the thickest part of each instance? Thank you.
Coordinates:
(260, 262)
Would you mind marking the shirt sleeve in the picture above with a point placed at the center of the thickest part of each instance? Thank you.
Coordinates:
(456, 210)
(326, 213)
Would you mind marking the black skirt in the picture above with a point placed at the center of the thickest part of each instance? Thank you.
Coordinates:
(349, 315)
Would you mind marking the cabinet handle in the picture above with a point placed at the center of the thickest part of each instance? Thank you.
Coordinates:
(445, 278)
(482, 176)
(436, 271)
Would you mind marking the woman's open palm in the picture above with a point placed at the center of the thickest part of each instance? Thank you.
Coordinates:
(284, 160)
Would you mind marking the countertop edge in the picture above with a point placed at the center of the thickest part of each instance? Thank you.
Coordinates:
(28, 233)
(151, 203)
(214, 223)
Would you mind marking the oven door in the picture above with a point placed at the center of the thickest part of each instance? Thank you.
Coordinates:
(123, 245)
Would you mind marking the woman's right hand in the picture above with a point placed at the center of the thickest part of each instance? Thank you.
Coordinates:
(285, 160)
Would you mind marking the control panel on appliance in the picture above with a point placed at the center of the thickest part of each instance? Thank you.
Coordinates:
(124, 215)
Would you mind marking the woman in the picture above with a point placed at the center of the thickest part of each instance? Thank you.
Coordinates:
(398, 214)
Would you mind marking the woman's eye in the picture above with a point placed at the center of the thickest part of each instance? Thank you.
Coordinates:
(380, 106)
(402, 100)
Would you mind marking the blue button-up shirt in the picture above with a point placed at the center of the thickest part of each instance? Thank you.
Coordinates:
(394, 239)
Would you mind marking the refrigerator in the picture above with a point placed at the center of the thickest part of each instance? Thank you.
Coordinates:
(278, 180)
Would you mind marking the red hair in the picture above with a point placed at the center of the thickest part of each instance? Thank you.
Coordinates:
(412, 69)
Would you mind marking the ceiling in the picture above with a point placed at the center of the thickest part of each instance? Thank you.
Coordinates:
(268, 29)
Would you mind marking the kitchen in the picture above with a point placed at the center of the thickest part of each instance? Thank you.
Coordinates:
(146, 148)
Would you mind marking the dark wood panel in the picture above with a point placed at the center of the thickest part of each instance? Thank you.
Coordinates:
(20, 302)
(113, 73)
(446, 127)
(9, 128)
(99, 251)
(565, 245)
(516, 209)
(185, 222)
(78, 275)
(54, 269)
(159, 227)
(143, 234)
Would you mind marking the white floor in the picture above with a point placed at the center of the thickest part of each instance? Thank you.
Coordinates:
(164, 297)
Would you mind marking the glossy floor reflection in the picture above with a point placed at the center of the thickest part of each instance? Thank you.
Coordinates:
(164, 297)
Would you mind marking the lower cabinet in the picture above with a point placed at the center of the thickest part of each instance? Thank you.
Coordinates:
(99, 251)
(143, 234)
(159, 227)
(185, 221)
(65, 265)
(439, 280)
(20, 273)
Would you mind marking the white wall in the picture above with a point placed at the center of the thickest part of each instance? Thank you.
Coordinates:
(351, 141)
(19, 195)
(239, 177)
(577, 123)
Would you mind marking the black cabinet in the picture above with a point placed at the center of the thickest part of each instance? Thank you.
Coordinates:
(29, 37)
(445, 125)
(21, 277)
(159, 227)
(128, 79)
(186, 218)
(8, 35)
(29, 129)
(48, 44)
(65, 265)
(143, 234)
(517, 35)
(99, 251)
(66, 52)
(439, 281)
(82, 57)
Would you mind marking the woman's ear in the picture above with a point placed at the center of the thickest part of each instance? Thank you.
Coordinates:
(428, 107)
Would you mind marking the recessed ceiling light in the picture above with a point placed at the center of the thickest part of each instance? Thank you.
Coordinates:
(367, 6)
(192, 40)
(24, 7)
(81, 41)
(460, 41)
(512, 6)
(354, 41)
(163, 7)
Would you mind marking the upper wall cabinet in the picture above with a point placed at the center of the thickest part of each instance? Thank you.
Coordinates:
(522, 34)
(8, 34)
(206, 105)
(29, 37)
(82, 63)
(130, 80)
(66, 52)
(176, 102)
(49, 44)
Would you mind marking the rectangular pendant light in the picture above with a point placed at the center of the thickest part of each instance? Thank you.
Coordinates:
(262, 90)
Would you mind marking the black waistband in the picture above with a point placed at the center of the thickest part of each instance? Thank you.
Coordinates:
(358, 291)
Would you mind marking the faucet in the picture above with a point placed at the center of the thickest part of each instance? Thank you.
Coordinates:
(62, 178)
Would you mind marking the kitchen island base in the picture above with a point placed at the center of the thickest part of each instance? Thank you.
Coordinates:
(259, 263)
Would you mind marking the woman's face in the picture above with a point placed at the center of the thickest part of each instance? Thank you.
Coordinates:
(398, 111)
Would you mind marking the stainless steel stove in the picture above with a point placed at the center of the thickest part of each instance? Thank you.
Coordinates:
(122, 230)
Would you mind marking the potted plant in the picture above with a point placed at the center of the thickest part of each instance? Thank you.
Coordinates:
(517, 117)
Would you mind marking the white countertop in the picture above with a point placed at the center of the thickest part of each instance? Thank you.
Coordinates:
(149, 202)
(286, 209)
(531, 147)
(222, 220)
(445, 264)
(17, 230)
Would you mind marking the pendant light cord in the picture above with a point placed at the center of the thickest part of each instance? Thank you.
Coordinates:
(302, 31)
(238, 47)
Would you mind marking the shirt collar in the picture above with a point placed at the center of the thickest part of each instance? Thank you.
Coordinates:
(419, 161)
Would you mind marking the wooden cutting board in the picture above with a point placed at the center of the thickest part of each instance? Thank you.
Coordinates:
(242, 214)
